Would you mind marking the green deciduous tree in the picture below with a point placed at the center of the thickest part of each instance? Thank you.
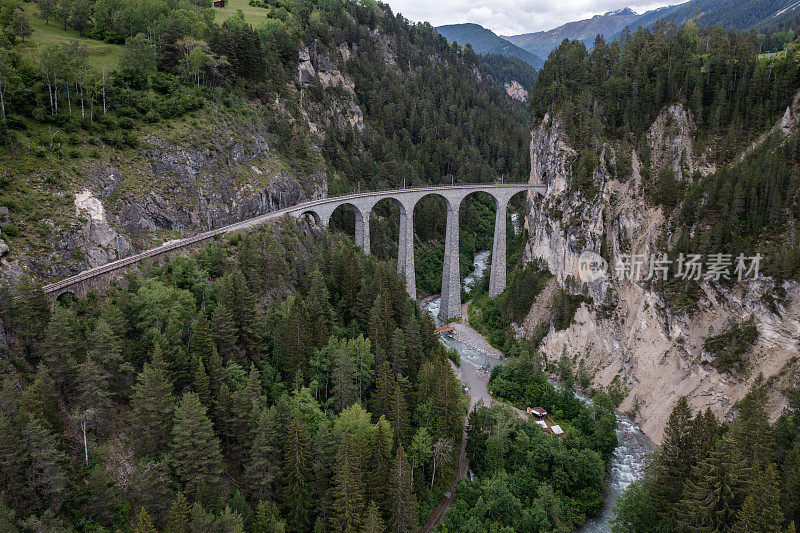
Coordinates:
(139, 56)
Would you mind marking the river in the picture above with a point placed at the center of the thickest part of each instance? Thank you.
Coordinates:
(627, 464)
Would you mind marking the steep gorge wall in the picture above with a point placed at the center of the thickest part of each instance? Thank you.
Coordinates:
(628, 330)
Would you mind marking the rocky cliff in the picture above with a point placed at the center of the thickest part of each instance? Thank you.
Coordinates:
(628, 331)
(220, 165)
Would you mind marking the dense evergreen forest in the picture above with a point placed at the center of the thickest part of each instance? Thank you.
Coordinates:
(710, 476)
(276, 379)
(613, 94)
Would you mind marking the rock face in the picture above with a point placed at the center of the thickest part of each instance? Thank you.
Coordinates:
(316, 68)
(516, 91)
(628, 332)
(563, 224)
(101, 240)
(182, 180)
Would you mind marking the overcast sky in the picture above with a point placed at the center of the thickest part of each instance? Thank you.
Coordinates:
(511, 17)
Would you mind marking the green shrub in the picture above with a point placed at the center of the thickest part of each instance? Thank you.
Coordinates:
(10, 230)
(729, 347)
(152, 117)
(164, 83)
(125, 123)
(127, 112)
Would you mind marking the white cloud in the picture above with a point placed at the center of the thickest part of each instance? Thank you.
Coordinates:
(511, 17)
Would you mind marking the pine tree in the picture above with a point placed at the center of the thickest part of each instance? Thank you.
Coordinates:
(234, 294)
(344, 375)
(152, 406)
(398, 416)
(157, 358)
(202, 342)
(31, 315)
(104, 348)
(790, 484)
(761, 510)
(45, 474)
(143, 523)
(225, 334)
(324, 452)
(295, 493)
(8, 520)
(215, 371)
(151, 487)
(320, 312)
(710, 502)
(674, 463)
(752, 431)
(39, 400)
(200, 381)
(379, 466)
(12, 461)
(229, 521)
(195, 450)
(399, 352)
(267, 519)
(383, 394)
(58, 349)
(348, 492)
(413, 339)
(296, 340)
(365, 299)
(94, 391)
(360, 350)
(264, 467)
(402, 501)
(373, 522)
(420, 449)
(246, 405)
(200, 519)
(178, 518)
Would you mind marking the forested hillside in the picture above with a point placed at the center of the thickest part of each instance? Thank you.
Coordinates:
(277, 379)
(737, 476)
(527, 480)
(614, 94)
(485, 41)
(731, 14)
(175, 117)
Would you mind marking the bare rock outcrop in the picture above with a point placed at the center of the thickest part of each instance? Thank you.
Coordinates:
(516, 91)
(338, 109)
(628, 331)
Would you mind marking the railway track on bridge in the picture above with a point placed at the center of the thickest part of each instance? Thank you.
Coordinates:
(452, 193)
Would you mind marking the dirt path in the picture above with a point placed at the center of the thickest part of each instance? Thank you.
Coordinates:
(476, 380)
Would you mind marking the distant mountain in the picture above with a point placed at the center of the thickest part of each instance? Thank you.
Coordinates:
(542, 43)
(732, 14)
(485, 41)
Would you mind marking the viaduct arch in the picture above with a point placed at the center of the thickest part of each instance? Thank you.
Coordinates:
(362, 204)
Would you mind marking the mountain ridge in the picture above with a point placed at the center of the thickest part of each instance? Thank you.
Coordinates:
(542, 43)
(485, 41)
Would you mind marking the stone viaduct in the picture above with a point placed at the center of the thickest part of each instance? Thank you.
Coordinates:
(322, 210)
